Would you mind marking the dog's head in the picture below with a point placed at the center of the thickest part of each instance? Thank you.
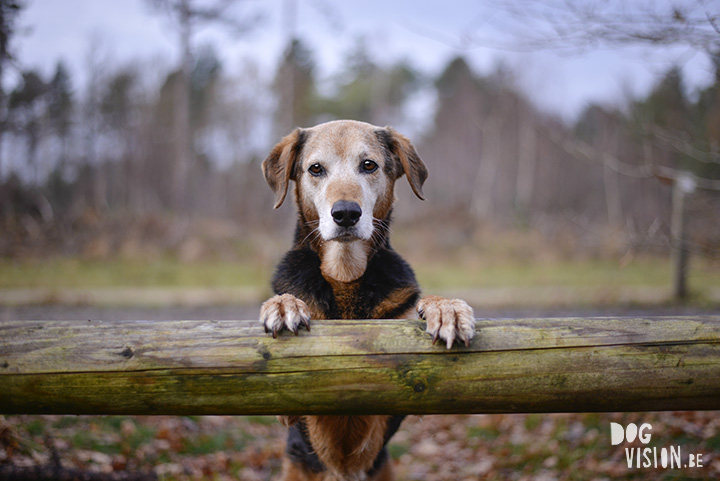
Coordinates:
(345, 172)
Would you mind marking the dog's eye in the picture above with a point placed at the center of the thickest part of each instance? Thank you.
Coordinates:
(316, 170)
(368, 166)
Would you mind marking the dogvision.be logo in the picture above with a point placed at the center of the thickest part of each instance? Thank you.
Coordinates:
(650, 457)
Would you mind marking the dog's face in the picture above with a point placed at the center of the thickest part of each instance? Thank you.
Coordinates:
(344, 173)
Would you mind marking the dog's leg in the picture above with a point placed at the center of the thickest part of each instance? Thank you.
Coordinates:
(447, 319)
(284, 311)
(347, 445)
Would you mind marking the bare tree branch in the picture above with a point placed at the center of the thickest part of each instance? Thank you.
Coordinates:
(217, 12)
(584, 151)
(685, 146)
(571, 26)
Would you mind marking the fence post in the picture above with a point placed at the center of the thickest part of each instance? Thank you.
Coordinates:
(683, 185)
(348, 367)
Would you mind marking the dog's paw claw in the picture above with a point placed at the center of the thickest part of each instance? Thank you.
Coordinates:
(284, 311)
(447, 319)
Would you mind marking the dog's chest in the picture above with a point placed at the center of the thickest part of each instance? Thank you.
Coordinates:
(387, 289)
(348, 300)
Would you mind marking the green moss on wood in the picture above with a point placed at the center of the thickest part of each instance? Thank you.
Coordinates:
(346, 367)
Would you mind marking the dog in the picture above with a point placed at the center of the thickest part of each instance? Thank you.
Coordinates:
(341, 266)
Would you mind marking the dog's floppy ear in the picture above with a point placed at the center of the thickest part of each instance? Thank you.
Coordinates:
(279, 166)
(403, 151)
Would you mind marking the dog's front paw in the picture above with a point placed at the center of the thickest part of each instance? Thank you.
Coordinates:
(447, 319)
(284, 312)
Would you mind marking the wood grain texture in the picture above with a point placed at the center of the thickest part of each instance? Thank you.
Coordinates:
(359, 367)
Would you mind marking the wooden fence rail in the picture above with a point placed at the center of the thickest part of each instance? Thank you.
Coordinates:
(352, 367)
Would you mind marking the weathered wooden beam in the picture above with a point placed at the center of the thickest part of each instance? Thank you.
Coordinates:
(346, 367)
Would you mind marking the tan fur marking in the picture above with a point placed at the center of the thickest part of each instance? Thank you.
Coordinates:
(342, 136)
(345, 139)
(344, 261)
(385, 202)
(305, 204)
(278, 166)
(315, 311)
(393, 300)
(345, 294)
(346, 190)
(347, 445)
(413, 166)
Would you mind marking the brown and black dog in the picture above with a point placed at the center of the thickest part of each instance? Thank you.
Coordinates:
(341, 266)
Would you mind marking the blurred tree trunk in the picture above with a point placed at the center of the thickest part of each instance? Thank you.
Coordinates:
(611, 184)
(183, 141)
(59, 112)
(287, 117)
(612, 196)
(526, 162)
(482, 195)
(294, 86)
(683, 185)
(26, 107)
(9, 11)
(188, 15)
(92, 124)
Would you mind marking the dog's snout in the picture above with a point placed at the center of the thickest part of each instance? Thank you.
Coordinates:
(345, 213)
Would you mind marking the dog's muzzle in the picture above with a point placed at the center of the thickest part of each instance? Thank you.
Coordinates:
(345, 213)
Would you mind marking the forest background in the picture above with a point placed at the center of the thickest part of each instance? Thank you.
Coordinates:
(133, 189)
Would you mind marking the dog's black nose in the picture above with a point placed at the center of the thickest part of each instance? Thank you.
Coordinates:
(345, 213)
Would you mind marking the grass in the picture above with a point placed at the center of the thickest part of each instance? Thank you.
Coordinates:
(579, 273)
(168, 272)
(165, 272)
(519, 261)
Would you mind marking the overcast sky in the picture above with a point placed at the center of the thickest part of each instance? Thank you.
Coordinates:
(426, 33)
